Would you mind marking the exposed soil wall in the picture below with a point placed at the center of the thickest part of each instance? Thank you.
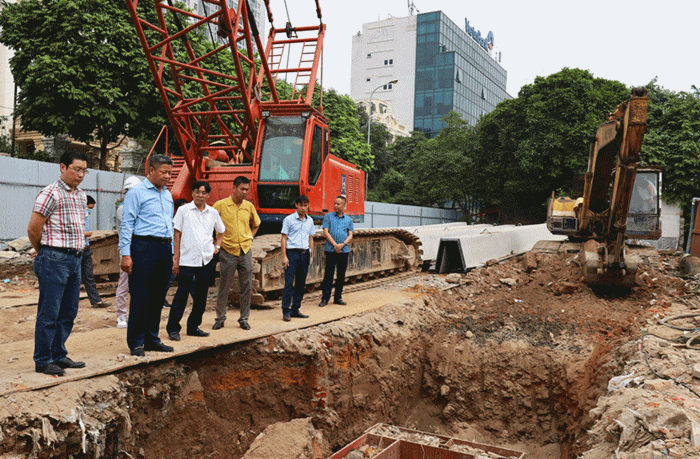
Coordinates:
(515, 356)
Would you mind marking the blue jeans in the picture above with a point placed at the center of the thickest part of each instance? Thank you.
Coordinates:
(295, 280)
(153, 264)
(334, 259)
(59, 293)
(201, 275)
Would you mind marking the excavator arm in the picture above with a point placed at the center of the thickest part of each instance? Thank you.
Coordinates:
(600, 217)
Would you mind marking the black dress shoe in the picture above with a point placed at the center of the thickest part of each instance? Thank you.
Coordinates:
(218, 324)
(299, 315)
(286, 317)
(158, 347)
(197, 332)
(138, 351)
(51, 369)
(340, 302)
(245, 326)
(174, 336)
(68, 363)
(323, 303)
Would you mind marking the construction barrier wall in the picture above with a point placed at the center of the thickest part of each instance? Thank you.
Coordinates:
(21, 180)
(383, 215)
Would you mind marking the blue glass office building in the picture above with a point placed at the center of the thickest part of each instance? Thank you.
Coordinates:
(453, 72)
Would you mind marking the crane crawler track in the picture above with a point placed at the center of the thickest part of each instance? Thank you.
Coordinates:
(374, 253)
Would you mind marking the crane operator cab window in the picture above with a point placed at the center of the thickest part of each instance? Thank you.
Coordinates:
(282, 149)
(280, 161)
(643, 216)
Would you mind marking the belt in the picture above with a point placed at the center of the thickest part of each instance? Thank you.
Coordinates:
(298, 250)
(160, 240)
(74, 252)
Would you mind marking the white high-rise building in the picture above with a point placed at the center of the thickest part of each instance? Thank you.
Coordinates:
(440, 67)
(385, 51)
(258, 7)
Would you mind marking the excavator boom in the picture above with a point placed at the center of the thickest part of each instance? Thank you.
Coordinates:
(616, 191)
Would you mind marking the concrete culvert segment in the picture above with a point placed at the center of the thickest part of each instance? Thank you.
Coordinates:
(523, 360)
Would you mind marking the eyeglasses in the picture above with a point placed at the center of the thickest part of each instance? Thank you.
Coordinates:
(79, 170)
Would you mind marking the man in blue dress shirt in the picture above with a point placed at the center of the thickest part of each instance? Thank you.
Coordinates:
(338, 230)
(297, 253)
(145, 242)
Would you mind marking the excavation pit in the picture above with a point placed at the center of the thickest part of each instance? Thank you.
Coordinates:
(507, 357)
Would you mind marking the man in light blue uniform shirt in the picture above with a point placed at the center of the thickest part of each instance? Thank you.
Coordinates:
(338, 229)
(146, 245)
(297, 253)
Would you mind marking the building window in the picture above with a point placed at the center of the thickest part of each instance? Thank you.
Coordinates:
(391, 61)
(369, 79)
(388, 86)
(369, 55)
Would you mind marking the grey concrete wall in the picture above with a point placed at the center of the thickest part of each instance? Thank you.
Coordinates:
(21, 180)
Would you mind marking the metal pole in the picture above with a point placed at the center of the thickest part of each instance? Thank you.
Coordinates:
(14, 120)
(369, 106)
(369, 112)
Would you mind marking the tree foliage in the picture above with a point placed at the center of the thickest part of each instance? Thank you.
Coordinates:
(534, 144)
(672, 140)
(346, 139)
(77, 64)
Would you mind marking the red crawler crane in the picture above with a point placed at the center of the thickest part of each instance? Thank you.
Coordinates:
(239, 124)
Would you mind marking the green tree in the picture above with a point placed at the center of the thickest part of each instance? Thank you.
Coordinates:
(76, 64)
(440, 171)
(380, 138)
(346, 139)
(672, 140)
(534, 144)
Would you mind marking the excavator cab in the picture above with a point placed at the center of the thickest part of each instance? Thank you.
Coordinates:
(644, 217)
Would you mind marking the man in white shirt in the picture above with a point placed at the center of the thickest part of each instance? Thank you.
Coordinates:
(297, 254)
(195, 248)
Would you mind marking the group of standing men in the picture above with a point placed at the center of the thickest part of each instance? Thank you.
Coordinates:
(153, 245)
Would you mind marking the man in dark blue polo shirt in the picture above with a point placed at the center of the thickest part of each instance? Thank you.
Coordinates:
(337, 229)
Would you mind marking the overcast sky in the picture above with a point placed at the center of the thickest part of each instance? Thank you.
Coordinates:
(624, 40)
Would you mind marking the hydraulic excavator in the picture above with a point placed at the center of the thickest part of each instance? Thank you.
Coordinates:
(619, 199)
(246, 122)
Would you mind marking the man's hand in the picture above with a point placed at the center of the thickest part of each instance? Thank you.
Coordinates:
(338, 248)
(127, 264)
(285, 262)
(176, 267)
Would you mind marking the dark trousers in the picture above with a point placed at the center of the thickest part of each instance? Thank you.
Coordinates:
(153, 263)
(88, 278)
(59, 292)
(333, 260)
(295, 280)
(200, 276)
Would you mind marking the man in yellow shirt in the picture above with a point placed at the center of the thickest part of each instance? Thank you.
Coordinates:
(242, 222)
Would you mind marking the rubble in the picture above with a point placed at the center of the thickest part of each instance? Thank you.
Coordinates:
(539, 360)
(296, 439)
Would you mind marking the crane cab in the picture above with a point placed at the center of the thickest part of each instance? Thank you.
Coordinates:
(293, 159)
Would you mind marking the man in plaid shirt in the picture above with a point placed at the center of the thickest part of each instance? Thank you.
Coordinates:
(56, 230)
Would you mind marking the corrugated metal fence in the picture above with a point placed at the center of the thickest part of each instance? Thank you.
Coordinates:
(21, 181)
(383, 215)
